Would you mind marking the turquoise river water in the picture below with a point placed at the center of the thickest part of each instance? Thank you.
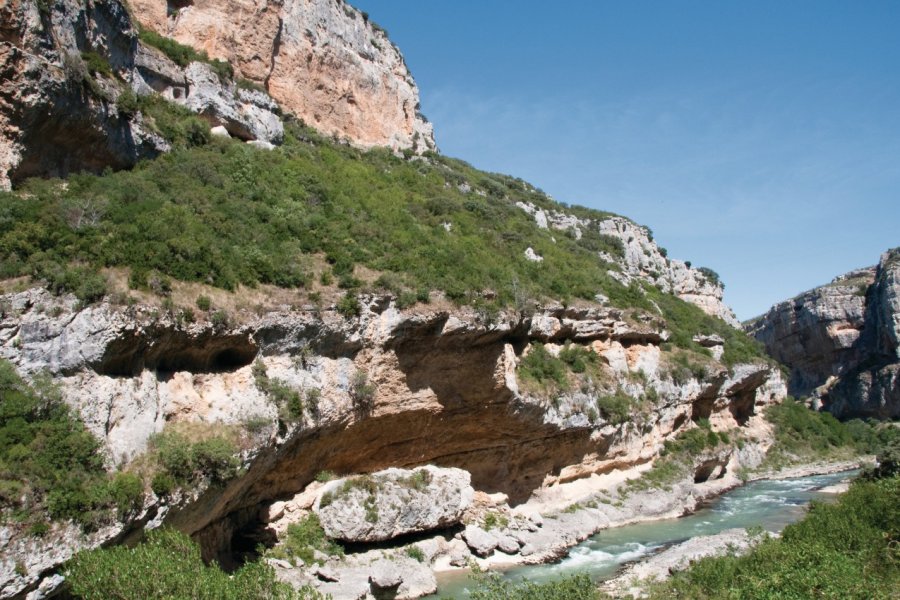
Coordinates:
(769, 504)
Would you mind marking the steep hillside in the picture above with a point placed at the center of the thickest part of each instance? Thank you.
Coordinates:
(307, 353)
(841, 341)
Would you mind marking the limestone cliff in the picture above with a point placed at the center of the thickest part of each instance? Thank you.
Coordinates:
(642, 259)
(841, 341)
(65, 67)
(394, 388)
(322, 60)
(69, 69)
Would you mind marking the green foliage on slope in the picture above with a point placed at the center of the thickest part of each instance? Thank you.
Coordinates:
(168, 565)
(223, 213)
(184, 55)
(842, 551)
(50, 465)
(804, 434)
(229, 214)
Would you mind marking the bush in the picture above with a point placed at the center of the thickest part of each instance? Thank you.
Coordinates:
(51, 465)
(541, 366)
(303, 539)
(616, 408)
(349, 305)
(168, 565)
(204, 303)
(185, 462)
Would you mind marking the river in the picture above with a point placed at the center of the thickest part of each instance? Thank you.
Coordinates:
(770, 504)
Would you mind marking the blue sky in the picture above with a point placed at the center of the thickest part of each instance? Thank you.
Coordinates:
(761, 139)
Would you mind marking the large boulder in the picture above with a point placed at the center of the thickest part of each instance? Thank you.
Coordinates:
(394, 502)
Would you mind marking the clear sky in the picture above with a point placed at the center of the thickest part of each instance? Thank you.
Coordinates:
(761, 139)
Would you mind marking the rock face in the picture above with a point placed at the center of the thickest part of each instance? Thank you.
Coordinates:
(431, 385)
(65, 65)
(322, 60)
(643, 259)
(841, 341)
(394, 502)
(53, 119)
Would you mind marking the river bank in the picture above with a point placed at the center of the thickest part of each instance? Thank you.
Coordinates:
(770, 503)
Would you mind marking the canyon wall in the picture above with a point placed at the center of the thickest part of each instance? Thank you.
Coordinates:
(394, 388)
(69, 70)
(322, 60)
(841, 341)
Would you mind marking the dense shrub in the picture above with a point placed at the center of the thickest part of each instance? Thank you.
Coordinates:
(577, 587)
(184, 461)
(168, 565)
(49, 463)
(542, 367)
(303, 539)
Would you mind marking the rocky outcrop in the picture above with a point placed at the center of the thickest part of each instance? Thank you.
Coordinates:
(389, 388)
(841, 341)
(642, 259)
(322, 60)
(65, 65)
(55, 115)
(393, 502)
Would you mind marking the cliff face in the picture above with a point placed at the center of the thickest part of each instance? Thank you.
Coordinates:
(445, 388)
(841, 341)
(320, 59)
(66, 65)
(642, 260)
(51, 121)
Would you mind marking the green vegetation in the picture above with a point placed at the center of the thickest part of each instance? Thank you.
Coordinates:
(182, 461)
(677, 457)
(577, 587)
(686, 320)
(802, 434)
(50, 465)
(223, 212)
(541, 366)
(288, 400)
(184, 55)
(302, 540)
(849, 550)
(415, 553)
(495, 520)
(168, 565)
(616, 408)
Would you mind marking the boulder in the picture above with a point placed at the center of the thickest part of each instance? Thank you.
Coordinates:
(394, 502)
(480, 541)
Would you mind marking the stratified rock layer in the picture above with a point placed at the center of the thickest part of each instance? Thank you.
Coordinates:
(841, 341)
(322, 60)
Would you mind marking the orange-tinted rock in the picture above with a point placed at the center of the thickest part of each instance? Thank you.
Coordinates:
(320, 59)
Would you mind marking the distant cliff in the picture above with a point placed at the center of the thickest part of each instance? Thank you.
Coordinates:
(842, 341)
